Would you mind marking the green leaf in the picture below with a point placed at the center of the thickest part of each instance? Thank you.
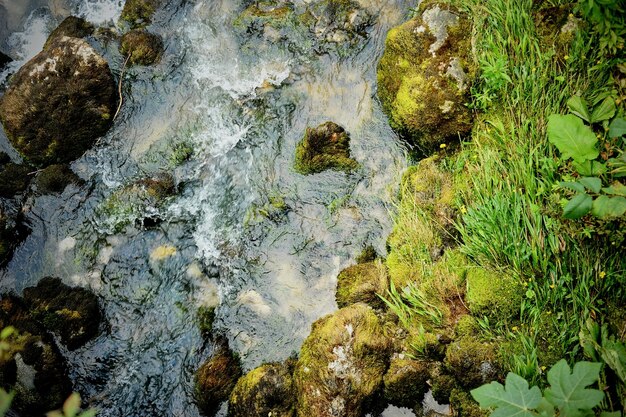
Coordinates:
(578, 106)
(573, 186)
(572, 137)
(606, 207)
(545, 409)
(71, 406)
(514, 399)
(590, 168)
(6, 332)
(593, 184)
(89, 413)
(578, 206)
(617, 128)
(616, 189)
(568, 391)
(611, 414)
(603, 111)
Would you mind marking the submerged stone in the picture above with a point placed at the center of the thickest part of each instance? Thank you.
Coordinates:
(265, 391)
(142, 47)
(216, 378)
(139, 12)
(324, 147)
(59, 103)
(72, 313)
(54, 178)
(362, 283)
(424, 77)
(71, 26)
(341, 365)
(406, 382)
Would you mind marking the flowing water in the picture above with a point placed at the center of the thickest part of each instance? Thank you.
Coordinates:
(223, 239)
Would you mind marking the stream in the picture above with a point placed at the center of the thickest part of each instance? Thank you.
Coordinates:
(222, 240)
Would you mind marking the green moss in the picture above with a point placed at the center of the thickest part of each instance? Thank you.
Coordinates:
(368, 254)
(72, 26)
(493, 294)
(265, 13)
(55, 178)
(142, 47)
(362, 283)
(472, 362)
(464, 405)
(442, 385)
(342, 363)
(406, 382)
(139, 12)
(324, 147)
(466, 326)
(14, 179)
(205, 317)
(265, 391)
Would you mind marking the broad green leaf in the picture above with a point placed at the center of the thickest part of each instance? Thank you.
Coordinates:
(572, 137)
(606, 207)
(616, 189)
(578, 106)
(514, 399)
(578, 206)
(593, 184)
(5, 401)
(603, 111)
(71, 406)
(545, 409)
(617, 128)
(590, 168)
(568, 390)
(573, 186)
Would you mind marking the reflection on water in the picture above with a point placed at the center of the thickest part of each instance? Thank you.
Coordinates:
(242, 111)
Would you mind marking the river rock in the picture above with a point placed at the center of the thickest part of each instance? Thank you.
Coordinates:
(59, 102)
(342, 363)
(424, 77)
(139, 12)
(324, 147)
(142, 47)
(406, 382)
(72, 313)
(71, 26)
(362, 283)
(337, 21)
(265, 391)
(216, 378)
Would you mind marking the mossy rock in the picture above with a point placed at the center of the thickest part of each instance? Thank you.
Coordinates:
(80, 99)
(36, 360)
(55, 178)
(14, 179)
(342, 363)
(337, 21)
(464, 405)
(424, 77)
(472, 362)
(139, 13)
(493, 294)
(324, 147)
(72, 313)
(216, 378)
(368, 254)
(206, 317)
(467, 326)
(442, 384)
(274, 14)
(265, 391)
(72, 26)
(142, 47)
(406, 382)
(362, 283)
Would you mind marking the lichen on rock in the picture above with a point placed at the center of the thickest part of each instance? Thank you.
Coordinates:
(141, 47)
(80, 99)
(324, 147)
(424, 77)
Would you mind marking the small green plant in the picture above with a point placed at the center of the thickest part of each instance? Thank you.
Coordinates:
(607, 21)
(71, 408)
(577, 141)
(568, 395)
(411, 302)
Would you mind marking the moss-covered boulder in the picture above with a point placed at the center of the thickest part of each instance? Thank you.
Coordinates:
(406, 382)
(14, 179)
(265, 391)
(73, 27)
(472, 362)
(59, 102)
(493, 294)
(71, 312)
(424, 77)
(464, 405)
(342, 363)
(337, 21)
(37, 371)
(54, 178)
(139, 12)
(216, 378)
(324, 147)
(362, 283)
(142, 47)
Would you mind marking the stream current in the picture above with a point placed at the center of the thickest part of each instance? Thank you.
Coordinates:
(222, 240)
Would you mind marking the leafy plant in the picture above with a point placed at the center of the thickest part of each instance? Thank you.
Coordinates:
(608, 22)
(71, 408)
(411, 302)
(568, 395)
(577, 141)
